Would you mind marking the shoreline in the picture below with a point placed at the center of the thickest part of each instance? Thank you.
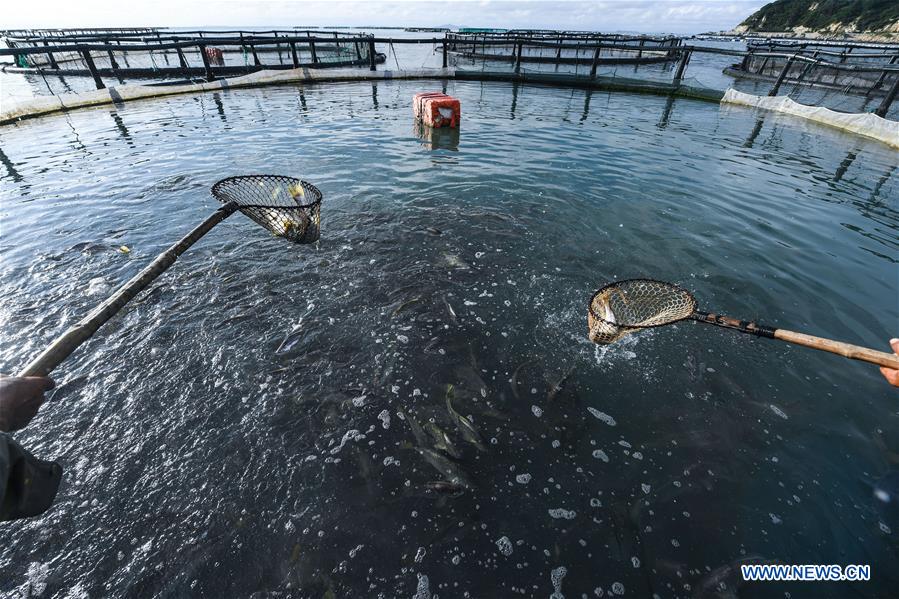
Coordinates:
(880, 37)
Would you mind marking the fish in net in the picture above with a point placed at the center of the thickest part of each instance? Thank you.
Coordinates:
(287, 207)
(628, 306)
(625, 307)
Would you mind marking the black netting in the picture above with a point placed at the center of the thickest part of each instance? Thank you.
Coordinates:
(286, 206)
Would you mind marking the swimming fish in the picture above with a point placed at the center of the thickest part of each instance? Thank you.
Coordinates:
(555, 388)
(406, 304)
(444, 487)
(449, 308)
(442, 440)
(454, 261)
(448, 469)
(514, 380)
(468, 430)
(724, 582)
(417, 432)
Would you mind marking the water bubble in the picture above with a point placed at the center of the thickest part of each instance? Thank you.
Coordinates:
(423, 590)
(601, 455)
(556, 577)
(561, 513)
(505, 546)
(778, 411)
(523, 479)
(602, 416)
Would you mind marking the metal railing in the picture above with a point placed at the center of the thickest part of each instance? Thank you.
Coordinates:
(885, 82)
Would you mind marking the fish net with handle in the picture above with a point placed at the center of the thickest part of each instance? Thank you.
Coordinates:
(288, 207)
(628, 306)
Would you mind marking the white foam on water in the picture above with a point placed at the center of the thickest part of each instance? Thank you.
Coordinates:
(504, 545)
(778, 411)
(602, 416)
(36, 580)
(537, 410)
(420, 555)
(423, 591)
(601, 455)
(384, 417)
(562, 513)
(556, 577)
(350, 434)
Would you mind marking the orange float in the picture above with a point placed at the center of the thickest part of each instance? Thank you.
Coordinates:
(436, 109)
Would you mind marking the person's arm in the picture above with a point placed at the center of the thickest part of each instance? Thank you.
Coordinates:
(20, 398)
(28, 485)
(890, 374)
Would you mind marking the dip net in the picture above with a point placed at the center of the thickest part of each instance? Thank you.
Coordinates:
(628, 306)
(288, 207)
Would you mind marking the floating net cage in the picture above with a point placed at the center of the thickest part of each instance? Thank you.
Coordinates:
(869, 82)
(160, 54)
(628, 306)
(564, 48)
(288, 207)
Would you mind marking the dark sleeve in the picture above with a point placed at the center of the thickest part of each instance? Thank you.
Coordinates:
(28, 485)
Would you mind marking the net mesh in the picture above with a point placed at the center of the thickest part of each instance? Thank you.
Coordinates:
(288, 207)
(629, 306)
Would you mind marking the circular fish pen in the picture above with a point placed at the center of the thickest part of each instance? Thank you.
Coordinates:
(411, 406)
(563, 48)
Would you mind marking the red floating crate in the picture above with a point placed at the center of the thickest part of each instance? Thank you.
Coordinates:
(436, 109)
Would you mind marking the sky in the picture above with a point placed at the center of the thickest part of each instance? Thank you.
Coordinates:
(647, 16)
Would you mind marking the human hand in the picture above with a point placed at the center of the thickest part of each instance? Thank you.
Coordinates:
(891, 374)
(20, 398)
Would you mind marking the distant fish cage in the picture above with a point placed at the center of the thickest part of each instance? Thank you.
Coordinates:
(847, 67)
(564, 47)
(165, 54)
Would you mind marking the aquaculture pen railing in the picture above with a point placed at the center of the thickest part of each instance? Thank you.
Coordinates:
(760, 64)
(564, 48)
(100, 55)
(516, 48)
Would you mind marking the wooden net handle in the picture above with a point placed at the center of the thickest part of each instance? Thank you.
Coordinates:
(853, 352)
(69, 341)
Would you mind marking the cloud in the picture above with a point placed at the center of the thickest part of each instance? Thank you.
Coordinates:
(651, 16)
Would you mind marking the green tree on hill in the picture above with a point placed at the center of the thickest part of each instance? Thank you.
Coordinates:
(817, 15)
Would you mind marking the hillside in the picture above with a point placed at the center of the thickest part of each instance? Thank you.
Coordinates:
(825, 17)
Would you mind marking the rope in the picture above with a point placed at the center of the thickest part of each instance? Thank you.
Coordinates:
(47, 83)
(395, 59)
